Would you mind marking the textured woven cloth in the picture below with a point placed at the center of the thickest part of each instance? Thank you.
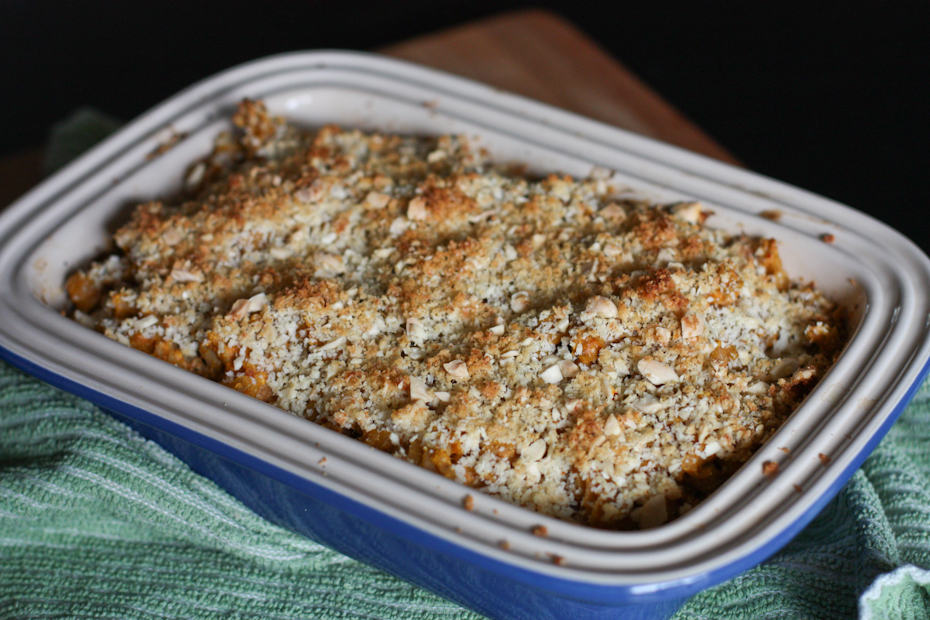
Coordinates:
(97, 521)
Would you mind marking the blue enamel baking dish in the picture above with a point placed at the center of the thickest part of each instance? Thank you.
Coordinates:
(405, 519)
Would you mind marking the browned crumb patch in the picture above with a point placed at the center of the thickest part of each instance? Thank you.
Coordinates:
(557, 559)
(540, 530)
(468, 503)
(769, 468)
(828, 237)
(504, 544)
(823, 458)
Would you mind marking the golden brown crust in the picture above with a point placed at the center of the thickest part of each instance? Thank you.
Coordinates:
(602, 360)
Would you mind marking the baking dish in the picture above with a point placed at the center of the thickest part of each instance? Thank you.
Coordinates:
(393, 514)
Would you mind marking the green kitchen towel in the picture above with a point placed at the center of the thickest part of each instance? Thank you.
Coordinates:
(97, 521)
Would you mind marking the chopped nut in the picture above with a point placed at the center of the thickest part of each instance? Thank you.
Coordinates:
(613, 212)
(692, 326)
(568, 368)
(688, 211)
(535, 450)
(327, 265)
(509, 354)
(611, 426)
(181, 274)
(377, 200)
(612, 249)
(655, 372)
(443, 396)
(415, 330)
(553, 374)
(244, 307)
(468, 503)
(600, 306)
(769, 468)
(520, 301)
(416, 209)
(457, 369)
(419, 390)
(398, 226)
(146, 321)
(497, 330)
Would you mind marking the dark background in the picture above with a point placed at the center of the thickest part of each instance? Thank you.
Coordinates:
(828, 98)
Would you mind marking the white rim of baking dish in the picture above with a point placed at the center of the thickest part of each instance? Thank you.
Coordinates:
(745, 520)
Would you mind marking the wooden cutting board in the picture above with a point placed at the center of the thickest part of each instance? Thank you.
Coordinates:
(533, 53)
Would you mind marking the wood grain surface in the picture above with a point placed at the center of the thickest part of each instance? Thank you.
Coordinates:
(532, 53)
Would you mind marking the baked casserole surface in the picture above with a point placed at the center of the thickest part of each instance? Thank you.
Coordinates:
(588, 355)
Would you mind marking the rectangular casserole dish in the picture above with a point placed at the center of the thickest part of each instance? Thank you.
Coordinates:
(393, 514)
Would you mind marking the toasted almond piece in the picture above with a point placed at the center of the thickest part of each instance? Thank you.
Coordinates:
(333, 344)
(655, 372)
(416, 209)
(398, 226)
(146, 321)
(497, 330)
(244, 307)
(415, 330)
(508, 354)
(553, 374)
(442, 396)
(612, 248)
(457, 369)
(601, 306)
(535, 450)
(568, 368)
(688, 211)
(419, 390)
(181, 273)
(172, 236)
(327, 265)
(377, 200)
(571, 405)
(648, 404)
(520, 301)
(611, 426)
(614, 212)
(692, 326)
(712, 448)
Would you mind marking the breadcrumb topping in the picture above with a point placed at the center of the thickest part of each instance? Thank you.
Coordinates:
(597, 359)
